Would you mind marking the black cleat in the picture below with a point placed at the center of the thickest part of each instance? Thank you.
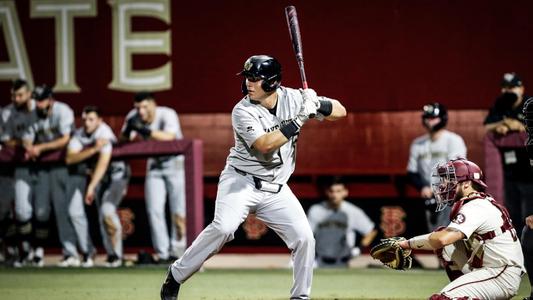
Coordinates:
(170, 288)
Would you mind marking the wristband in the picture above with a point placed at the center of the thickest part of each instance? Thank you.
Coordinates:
(420, 242)
(326, 108)
(290, 129)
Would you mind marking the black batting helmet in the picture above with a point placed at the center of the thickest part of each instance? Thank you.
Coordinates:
(262, 67)
(435, 110)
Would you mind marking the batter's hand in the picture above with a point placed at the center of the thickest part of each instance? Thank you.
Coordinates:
(308, 108)
(529, 221)
(32, 152)
(310, 95)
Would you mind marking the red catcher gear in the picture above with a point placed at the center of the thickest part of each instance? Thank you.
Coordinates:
(447, 176)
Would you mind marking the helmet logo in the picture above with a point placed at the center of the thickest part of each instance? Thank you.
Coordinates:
(248, 65)
(477, 176)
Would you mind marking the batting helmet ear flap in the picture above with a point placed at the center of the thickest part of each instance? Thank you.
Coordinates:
(272, 83)
(243, 87)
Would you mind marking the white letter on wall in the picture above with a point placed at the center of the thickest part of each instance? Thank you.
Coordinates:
(18, 65)
(126, 44)
(64, 12)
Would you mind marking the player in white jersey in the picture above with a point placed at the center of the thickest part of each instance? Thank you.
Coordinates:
(266, 124)
(54, 123)
(438, 145)
(334, 223)
(89, 153)
(165, 176)
(479, 248)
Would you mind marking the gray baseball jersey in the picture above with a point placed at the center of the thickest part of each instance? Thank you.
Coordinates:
(59, 123)
(335, 229)
(425, 153)
(16, 122)
(250, 121)
(165, 119)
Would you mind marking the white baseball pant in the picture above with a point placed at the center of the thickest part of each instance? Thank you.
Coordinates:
(236, 198)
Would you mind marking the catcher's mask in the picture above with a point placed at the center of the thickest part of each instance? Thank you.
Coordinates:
(446, 177)
(262, 67)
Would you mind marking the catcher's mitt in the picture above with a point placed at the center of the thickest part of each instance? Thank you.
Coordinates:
(389, 252)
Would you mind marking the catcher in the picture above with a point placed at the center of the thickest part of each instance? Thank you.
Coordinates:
(479, 249)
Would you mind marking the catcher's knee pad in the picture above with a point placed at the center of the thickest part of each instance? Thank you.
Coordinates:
(110, 226)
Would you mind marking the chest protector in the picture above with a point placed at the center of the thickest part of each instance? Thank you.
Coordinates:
(507, 225)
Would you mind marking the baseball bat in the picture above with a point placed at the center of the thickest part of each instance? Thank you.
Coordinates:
(296, 39)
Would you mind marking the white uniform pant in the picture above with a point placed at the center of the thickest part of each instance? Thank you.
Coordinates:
(110, 194)
(160, 183)
(45, 185)
(236, 198)
(76, 210)
(484, 283)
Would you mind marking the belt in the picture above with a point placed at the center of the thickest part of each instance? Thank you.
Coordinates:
(261, 184)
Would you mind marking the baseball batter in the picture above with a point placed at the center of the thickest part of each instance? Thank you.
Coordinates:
(266, 124)
(479, 248)
(92, 145)
(437, 146)
(334, 223)
(51, 129)
(165, 176)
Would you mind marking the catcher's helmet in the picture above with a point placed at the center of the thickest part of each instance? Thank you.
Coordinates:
(434, 110)
(447, 175)
(263, 67)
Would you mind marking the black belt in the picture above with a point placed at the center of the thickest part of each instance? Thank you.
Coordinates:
(261, 184)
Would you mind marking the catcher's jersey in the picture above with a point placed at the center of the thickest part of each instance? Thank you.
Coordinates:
(250, 121)
(479, 216)
(334, 230)
(80, 139)
(16, 122)
(165, 119)
(425, 153)
(59, 122)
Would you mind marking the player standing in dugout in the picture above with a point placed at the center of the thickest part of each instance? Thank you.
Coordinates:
(266, 125)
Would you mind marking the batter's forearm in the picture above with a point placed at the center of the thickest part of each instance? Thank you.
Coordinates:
(270, 142)
(337, 112)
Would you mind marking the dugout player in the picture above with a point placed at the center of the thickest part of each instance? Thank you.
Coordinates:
(165, 176)
(16, 116)
(266, 124)
(479, 248)
(334, 223)
(505, 117)
(51, 130)
(89, 153)
(436, 146)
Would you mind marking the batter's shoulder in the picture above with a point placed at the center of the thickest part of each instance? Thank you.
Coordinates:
(453, 136)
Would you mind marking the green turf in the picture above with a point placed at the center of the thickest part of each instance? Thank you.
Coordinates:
(144, 283)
